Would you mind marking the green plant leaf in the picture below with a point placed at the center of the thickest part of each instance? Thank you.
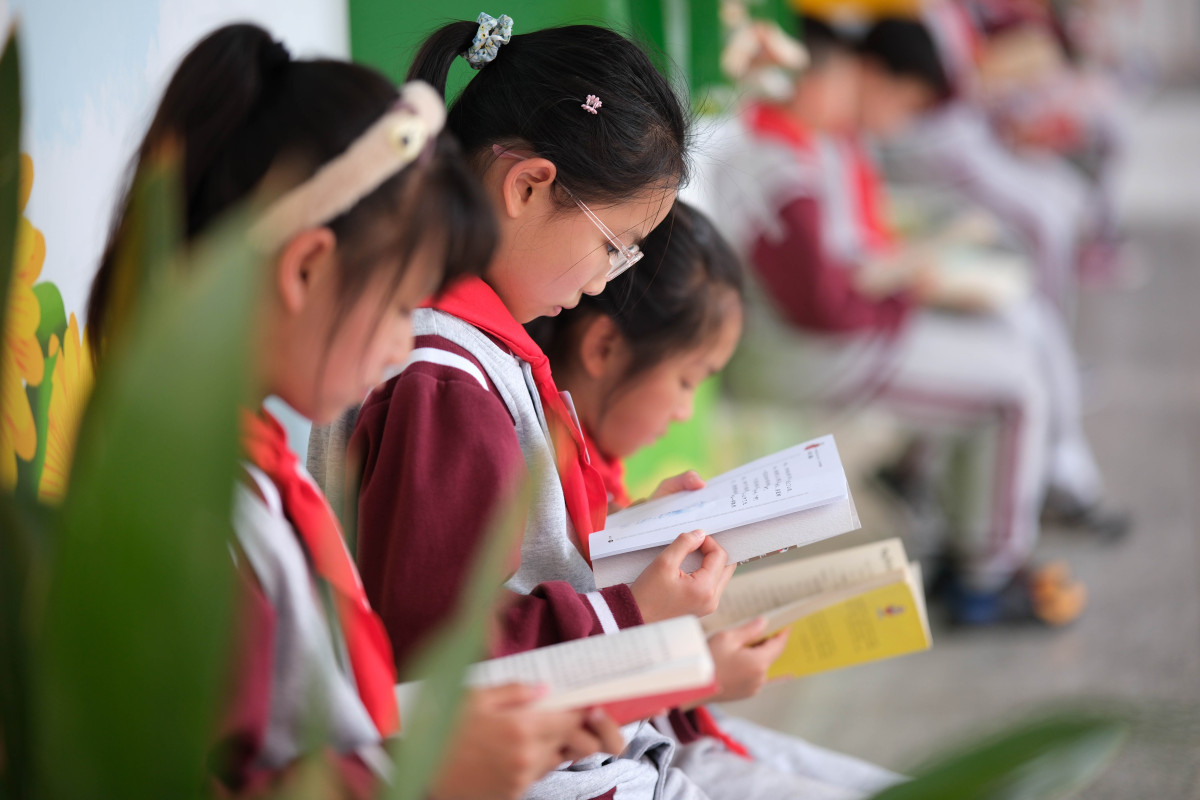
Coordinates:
(10, 164)
(23, 576)
(17, 563)
(442, 666)
(1045, 758)
(134, 646)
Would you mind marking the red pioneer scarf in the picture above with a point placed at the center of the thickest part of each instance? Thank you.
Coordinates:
(611, 470)
(771, 122)
(474, 302)
(367, 643)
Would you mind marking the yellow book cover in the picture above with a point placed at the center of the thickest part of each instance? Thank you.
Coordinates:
(879, 623)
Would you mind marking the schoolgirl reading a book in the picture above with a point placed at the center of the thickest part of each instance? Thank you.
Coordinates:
(380, 213)
(632, 358)
(794, 189)
(579, 144)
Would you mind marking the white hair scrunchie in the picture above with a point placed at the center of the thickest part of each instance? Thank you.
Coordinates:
(491, 34)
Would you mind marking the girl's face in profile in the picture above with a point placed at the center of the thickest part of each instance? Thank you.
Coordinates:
(340, 354)
(641, 409)
(550, 256)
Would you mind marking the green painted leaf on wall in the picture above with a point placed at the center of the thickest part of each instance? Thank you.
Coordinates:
(54, 314)
(39, 401)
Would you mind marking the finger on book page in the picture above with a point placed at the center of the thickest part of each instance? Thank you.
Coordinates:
(772, 647)
(726, 577)
(688, 481)
(684, 545)
(749, 633)
(716, 560)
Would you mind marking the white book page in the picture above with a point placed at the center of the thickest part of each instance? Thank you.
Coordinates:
(748, 542)
(645, 659)
(797, 479)
(766, 590)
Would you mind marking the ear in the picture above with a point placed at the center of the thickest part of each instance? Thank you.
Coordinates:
(527, 184)
(306, 259)
(602, 347)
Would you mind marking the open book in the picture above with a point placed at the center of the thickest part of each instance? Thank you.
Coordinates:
(961, 276)
(632, 674)
(860, 604)
(796, 496)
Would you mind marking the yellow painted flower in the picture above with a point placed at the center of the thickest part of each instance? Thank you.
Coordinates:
(23, 362)
(70, 385)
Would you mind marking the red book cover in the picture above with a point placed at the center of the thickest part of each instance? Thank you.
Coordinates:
(625, 711)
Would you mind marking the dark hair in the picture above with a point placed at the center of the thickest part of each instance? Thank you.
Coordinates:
(822, 40)
(241, 107)
(676, 298)
(905, 48)
(530, 97)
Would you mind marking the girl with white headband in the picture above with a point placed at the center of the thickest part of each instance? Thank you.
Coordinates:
(384, 214)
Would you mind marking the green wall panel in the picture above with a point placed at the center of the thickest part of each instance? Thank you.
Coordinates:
(386, 34)
(683, 37)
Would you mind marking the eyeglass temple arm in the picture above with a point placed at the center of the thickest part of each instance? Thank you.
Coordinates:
(599, 223)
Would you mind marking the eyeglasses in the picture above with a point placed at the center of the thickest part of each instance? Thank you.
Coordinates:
(622, 257)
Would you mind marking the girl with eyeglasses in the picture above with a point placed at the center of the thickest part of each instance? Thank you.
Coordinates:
(580, 145)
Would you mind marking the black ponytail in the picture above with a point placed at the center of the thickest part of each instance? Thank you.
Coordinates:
(437, 54)
(681, 293)
(239, 106)
(531, 95)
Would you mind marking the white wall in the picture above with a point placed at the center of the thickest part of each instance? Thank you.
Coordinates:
(93, 72)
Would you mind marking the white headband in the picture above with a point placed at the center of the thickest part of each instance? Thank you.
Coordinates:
(385, 148)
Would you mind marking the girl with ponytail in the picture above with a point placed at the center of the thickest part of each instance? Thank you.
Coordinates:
(442, 442)
(580, 145)
(377, 212)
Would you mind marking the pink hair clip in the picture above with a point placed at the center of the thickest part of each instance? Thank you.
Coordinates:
(592, 106)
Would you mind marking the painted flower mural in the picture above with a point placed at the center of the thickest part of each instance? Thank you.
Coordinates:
(46, 374)
(70, 385)
(24, 363)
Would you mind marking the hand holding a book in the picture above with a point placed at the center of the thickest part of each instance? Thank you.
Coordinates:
(688, 481)
(502, 745)
(664, 590)
(741, 657)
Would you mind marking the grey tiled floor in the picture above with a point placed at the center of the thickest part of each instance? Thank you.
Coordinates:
(1140, 639)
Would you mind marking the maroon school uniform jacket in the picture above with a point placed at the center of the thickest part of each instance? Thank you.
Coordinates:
(440, 453)
(808, 276)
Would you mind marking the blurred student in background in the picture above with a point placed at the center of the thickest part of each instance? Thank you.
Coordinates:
(935, 136)
(792, 185)
(956, 111)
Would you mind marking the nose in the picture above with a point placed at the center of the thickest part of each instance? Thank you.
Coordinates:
(596, 285)
(684, 411)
